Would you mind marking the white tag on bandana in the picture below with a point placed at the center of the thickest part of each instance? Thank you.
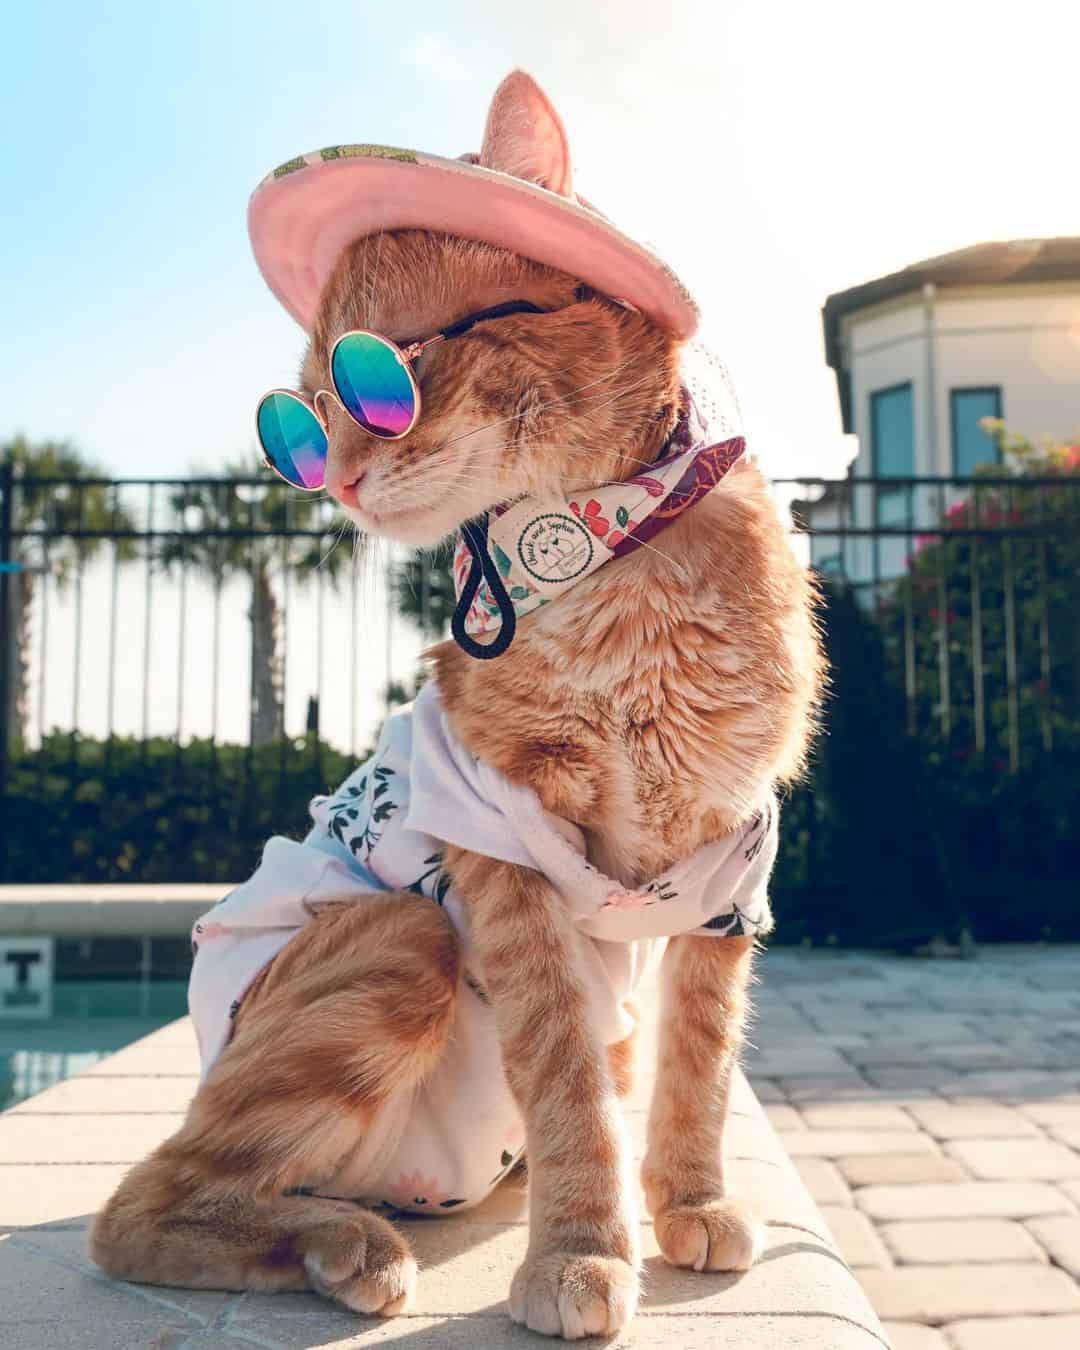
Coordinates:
(543, 546)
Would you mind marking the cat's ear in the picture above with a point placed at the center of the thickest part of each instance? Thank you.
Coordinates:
(525, 136)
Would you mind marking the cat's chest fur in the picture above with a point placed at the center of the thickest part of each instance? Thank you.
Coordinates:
(648, 704)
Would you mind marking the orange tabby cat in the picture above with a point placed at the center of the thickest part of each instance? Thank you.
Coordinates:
(653, 706)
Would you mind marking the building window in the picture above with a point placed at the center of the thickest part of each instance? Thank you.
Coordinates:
(892, 443)
(971, 446)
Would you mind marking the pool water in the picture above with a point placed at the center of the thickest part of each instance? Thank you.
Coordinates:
(100, 995)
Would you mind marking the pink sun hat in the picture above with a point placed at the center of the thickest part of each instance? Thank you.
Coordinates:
(517, 193)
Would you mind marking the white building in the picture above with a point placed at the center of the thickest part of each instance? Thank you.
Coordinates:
(920, 357)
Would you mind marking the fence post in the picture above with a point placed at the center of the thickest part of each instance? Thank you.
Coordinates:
(7, 637)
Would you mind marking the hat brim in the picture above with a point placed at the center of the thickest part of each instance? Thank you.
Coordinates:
(305, 213)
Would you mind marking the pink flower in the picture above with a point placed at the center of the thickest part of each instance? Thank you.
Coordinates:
(205, 932)
(592, 517)
(628, 900)
(413, 1189)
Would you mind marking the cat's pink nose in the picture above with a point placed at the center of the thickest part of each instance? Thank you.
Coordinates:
(346, 489)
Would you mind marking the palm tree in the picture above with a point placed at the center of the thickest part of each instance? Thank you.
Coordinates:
(56, 510)
(424, 590)
(240, 529)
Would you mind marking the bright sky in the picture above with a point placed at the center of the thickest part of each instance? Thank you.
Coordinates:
(774, 152)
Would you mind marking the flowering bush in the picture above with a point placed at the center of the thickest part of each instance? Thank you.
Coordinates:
(946, 792)
(896, 839)
(985, 618)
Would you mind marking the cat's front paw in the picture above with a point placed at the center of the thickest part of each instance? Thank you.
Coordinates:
(362, 1262)
(570, 1295)
(717, 1235)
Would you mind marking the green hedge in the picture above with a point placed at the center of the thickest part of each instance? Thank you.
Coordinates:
(124, 811)
(892, 840)
(896, 839)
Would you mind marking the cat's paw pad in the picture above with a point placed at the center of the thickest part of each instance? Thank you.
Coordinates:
(569, 1295)
(717, 1235)
(361, 1262)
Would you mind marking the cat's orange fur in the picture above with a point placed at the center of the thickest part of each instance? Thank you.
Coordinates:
(652, 705)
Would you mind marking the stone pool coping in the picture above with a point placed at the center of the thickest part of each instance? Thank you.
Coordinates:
(64, 1150)
(126, 909)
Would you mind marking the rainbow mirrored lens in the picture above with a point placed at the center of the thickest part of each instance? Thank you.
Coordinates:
(292, 440)
(374, 384)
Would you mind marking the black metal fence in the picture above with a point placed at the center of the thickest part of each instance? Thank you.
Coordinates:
(973, 584)
(225, 610)
(945, 794)
(185, 662)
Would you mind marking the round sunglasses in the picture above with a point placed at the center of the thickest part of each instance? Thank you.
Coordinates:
(373, 381)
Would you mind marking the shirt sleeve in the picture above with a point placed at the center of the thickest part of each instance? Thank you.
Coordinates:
(236, 939)
(721, 891)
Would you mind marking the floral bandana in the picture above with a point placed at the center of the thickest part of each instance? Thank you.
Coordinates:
(540, 547)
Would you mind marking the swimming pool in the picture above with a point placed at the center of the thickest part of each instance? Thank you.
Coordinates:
(66, 1003)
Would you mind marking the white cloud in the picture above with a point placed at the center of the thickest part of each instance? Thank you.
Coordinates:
(433, 54)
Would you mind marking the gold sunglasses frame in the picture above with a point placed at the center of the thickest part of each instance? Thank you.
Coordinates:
(405, 357)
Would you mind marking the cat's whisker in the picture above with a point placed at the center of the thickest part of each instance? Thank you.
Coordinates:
(359, 542)
(338, 535)
(525, 440)
(666, 557)
(370, 296)
(494, 451)
(552, 403)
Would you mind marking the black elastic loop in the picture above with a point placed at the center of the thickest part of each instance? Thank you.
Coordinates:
(496, 312)
(482, 566)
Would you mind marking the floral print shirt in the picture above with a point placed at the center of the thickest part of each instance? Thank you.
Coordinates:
(449, 1143)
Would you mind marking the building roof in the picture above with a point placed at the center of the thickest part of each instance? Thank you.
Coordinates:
(836, 491)
(1011, 262)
